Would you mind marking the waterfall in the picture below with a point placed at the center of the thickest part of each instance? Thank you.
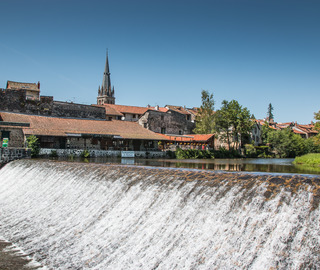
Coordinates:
(96, 216)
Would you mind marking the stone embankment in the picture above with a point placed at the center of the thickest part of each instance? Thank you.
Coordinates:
(10, 154)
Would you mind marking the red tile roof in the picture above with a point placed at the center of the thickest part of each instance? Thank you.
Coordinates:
(53, 126)
(189, 138)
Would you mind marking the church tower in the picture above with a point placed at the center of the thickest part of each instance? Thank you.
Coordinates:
(105, 92)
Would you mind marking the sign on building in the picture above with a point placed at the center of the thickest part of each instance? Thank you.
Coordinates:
(5, 142)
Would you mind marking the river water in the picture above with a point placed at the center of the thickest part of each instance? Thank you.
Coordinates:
(96, 216)
(274, 165)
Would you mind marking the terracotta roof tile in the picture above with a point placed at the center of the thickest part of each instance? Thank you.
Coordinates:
(52, 126)
(188, 138)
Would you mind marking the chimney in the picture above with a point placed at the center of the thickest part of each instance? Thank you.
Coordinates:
(156, 107)
(38, 85)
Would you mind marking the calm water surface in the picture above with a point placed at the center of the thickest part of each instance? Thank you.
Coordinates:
(274, 165)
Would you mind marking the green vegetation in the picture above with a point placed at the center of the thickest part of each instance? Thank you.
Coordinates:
(233, 124)
(205, 116)
(312, 159)
(270, 113)
(286, 144)
(85, 154)
(53, 153)
(252, 151)
(206, 154)
(33, 143)
(193, 154)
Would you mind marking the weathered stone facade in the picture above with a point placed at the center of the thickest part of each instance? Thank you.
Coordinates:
(16, 101)
(14, 134)
(170, 122)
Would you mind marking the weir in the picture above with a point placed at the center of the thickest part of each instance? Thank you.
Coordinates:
(91, 216)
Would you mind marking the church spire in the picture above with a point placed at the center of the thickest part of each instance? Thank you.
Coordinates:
(106, 82)
(106, 93)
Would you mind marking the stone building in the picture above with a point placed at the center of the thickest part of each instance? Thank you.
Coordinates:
(166, 121)
(32, 90)
(106, 92)
(70, 133)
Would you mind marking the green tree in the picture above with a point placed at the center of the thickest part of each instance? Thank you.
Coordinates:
(284, 143)
(317, 117)
(205, 116)
(233, 123)
(33, 143)
(316, 139)
(270, 116)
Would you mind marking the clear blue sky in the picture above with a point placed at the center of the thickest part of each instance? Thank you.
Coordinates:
(166, 52)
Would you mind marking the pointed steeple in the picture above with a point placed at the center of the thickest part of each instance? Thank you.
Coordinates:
(106, 82)
(106, 94)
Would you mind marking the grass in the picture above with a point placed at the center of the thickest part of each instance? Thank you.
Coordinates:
(308, 159)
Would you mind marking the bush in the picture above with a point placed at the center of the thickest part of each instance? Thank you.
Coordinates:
(224, 153)
(53, 153)
(85, 154)
(33, 143)
(193, 154)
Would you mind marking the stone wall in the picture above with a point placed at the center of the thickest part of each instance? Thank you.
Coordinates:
(15, 101)
(172, 122)
(99, 153)
(16, 138)
(74, 110)
(9, 154)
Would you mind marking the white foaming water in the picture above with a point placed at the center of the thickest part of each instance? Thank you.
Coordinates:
(76, 216)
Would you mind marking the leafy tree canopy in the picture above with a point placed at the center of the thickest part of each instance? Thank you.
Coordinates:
(233, 122)
(205, 116)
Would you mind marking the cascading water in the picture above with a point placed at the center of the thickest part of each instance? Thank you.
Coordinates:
(89, 216)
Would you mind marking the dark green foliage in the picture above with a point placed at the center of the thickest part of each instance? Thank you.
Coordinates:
(233, 123)
(85, 154)
(285, 144)
(33, 143)
(205, 116)
(270, 116)
(252, 151)
(193, 154)
(53, 153)
(224, 153)
(206, 154)
(317, 117)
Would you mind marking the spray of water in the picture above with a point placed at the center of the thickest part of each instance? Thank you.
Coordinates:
(86, 216)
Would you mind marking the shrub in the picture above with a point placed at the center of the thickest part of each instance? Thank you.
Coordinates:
(33, 143)
(85, 154)
(53, 153)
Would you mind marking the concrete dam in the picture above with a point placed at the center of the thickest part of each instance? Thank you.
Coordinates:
(99, 216)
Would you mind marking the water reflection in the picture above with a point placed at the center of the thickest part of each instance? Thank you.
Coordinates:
(249, 165)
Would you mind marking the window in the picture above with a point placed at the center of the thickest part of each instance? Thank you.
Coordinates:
(134, 116)
(180, 132)
(162, 117)
(163, 130)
